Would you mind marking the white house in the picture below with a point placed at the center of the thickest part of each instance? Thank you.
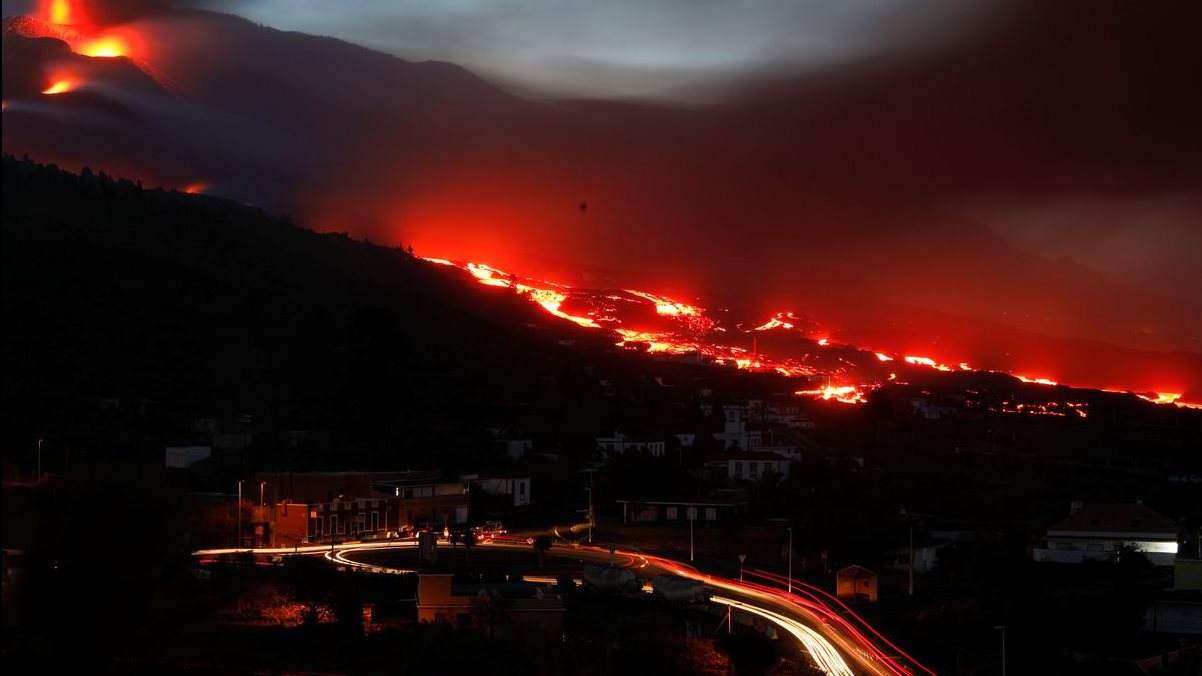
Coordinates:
(516, 448)
(620, 443)
(753, 465)
(1099, 531)
(518, 487)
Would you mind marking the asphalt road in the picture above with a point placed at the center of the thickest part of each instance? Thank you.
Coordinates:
(838, 641)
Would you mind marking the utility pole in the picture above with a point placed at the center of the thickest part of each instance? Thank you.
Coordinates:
(1003, 628)
(239, 544)
(589, 490)
(910, 522)
(591, 474)
(742, 558)
(261, 485)
(790, 529)
(692, 514)
(38, 477)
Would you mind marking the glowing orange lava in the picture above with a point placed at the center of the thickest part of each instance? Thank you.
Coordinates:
(927, 361)
(777, 322)
(108, 46)
(60, 86)
(667, 306)
(1037, 381)
(195, 188)
(682, 331)
(847, 394)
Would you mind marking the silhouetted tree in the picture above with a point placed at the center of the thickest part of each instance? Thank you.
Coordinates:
(541, 544)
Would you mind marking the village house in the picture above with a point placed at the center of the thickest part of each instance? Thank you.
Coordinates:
(619, 443)
(1099, 532)
(323, 506)
(751, 465)
(489, 607)
(680, 512)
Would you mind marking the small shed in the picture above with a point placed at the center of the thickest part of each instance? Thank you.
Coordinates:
(856, 583)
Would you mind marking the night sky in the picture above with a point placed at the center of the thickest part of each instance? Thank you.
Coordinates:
(980, 175)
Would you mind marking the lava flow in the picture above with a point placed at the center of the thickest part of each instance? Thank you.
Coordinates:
(670, 329)
(88, 35)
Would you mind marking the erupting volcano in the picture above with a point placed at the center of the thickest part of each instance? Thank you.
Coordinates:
(671, 329)
(844, 246)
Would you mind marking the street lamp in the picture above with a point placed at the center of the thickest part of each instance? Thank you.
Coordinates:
(589, 490)
(39, 475)
(691, 512)
(1002, 627)
(790, 587)
(911, 566)
(591, 473)
(239, 509)
(742, 558)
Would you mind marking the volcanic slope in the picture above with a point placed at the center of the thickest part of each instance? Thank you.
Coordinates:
(199, 306)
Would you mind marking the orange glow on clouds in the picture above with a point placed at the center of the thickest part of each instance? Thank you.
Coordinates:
(62, 12)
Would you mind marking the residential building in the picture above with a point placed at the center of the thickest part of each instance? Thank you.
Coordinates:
(620, 443)
(300, 523)
(1100, 531)
(515, 489)
(359, 504)
(489, 607)
(752, 465)
(856, 583)
(680, 512)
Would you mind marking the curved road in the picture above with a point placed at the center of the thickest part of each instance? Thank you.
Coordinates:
(831, 633)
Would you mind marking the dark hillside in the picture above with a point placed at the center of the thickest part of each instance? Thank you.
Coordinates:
(198, 307)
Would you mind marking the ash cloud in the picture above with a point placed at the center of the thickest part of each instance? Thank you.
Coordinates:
(902, 195)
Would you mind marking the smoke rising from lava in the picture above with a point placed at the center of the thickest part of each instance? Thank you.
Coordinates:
(880, 195)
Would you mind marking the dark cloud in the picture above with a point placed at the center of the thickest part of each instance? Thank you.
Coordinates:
(913, 194)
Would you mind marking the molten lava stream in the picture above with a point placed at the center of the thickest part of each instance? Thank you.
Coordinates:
(60, 86)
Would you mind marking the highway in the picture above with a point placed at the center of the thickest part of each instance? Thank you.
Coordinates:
(838, 641)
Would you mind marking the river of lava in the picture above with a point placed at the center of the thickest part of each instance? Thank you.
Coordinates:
(658, 325)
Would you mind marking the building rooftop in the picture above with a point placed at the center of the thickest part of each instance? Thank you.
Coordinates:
(1116, 518)
(856, 572)
(765, 456)
(694, 502)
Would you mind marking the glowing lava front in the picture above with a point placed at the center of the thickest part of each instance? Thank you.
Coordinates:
(108, 47)
(670, 329)
(60, 87)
